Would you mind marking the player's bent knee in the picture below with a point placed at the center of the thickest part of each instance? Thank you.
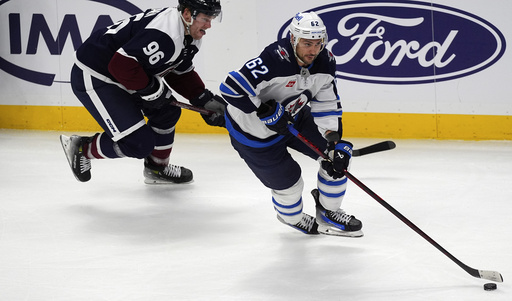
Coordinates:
(138, 144)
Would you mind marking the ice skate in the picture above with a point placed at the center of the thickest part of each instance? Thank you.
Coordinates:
(306, 225)
(169, 174)
(73, 148)
(337, 222)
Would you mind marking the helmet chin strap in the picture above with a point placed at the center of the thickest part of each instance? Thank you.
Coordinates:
(298, 58)
(294, 42)
(187, 24)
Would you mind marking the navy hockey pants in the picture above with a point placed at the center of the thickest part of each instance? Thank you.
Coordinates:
(121, 115)
(273, 165)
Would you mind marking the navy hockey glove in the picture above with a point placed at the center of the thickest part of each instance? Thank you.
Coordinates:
(274, 116)
(214, 103)
(339, 153)
(155, 94)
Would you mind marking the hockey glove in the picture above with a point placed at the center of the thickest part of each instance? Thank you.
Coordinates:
(214, 103)
(339, 153)
(274, 116)
(155, 94)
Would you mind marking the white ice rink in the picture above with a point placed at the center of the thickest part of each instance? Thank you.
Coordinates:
(116, 239)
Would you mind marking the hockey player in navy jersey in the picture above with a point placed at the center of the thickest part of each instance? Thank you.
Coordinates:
(293, 81)
(125, 71)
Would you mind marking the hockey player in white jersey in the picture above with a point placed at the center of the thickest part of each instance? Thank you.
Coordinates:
(124, 73)
(293, 81)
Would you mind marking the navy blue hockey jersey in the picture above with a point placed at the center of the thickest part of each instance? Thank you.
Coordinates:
(154, 40)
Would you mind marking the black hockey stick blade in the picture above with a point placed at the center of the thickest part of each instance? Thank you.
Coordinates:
(374, 148)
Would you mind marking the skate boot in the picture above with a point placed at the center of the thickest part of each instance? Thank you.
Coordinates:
(73, 148)
(169, 174)
(306, 225)
(336, 222)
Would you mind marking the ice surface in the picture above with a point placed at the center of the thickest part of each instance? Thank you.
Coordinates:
(115, 238)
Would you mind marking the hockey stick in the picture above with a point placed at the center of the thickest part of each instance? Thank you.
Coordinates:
(191, 107)
(484, 274)
(186, 105)
(374, 148)
(370, 149)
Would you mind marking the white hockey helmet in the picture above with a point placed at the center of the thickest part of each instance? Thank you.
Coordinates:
(307, 26)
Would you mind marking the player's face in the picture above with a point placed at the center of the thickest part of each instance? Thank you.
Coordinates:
(201, 23)
(307, 50)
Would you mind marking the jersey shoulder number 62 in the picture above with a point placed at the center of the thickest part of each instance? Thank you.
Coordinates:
(256, 66)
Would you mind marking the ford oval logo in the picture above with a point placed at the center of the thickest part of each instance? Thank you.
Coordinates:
(407, 42)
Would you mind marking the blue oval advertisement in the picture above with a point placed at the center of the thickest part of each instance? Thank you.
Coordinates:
(407, 42)
(40, 35)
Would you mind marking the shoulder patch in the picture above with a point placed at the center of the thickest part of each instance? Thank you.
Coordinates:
(283, 53)
(331, 56)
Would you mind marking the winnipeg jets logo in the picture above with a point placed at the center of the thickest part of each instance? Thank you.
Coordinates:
(296, 105)
(283, 54)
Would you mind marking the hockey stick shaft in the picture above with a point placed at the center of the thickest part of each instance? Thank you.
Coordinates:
(186, 105)
(489, 275)
(370, 149)
(191, 107)
(306, 141)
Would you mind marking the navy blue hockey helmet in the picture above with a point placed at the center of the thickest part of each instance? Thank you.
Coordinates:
(207, 7)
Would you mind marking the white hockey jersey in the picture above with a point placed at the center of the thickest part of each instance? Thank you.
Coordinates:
(275, 74)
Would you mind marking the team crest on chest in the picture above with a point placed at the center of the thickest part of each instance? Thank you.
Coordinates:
(294, 106)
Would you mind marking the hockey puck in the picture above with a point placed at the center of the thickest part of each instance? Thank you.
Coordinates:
(490, 286)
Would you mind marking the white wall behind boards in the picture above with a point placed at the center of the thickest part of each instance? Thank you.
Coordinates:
(38, 38)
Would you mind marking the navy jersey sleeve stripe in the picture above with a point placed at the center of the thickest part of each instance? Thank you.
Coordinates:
(226, 90)
(324, 114)
(242, 82)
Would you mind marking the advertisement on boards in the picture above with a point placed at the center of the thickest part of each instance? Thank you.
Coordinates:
(401, 42)
(427, 59)
(39, 39)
